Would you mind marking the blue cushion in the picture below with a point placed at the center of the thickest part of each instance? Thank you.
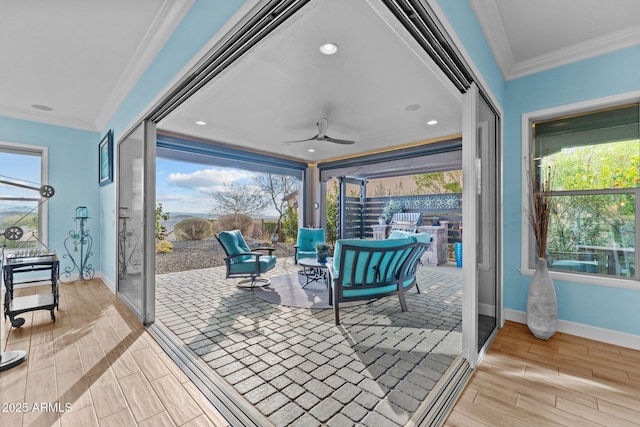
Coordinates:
(248, 266)
(415, 237)
(305, 254)
(352, 292)
(234, 243)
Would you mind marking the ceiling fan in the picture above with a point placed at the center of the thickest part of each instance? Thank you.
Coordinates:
(323, 124)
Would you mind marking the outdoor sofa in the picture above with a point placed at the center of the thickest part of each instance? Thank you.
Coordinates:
(371, 269)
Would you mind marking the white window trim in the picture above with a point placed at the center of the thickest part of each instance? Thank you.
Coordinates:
(43, 217)
(526, 234)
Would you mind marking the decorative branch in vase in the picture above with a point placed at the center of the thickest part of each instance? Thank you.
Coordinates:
(542, 306)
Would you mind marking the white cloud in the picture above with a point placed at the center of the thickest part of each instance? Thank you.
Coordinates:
(207, 181)
(184, 203)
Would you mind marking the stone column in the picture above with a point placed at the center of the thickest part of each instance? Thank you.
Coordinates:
(438, 252)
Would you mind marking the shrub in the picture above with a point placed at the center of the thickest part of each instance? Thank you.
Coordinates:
(241, 222)
(290, 224)
(164, 247)
(191, 229)
(269, 228)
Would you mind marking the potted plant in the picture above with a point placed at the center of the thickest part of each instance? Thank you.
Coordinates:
(390, 207)
(322, 251)
(382, 219)
(542, 306)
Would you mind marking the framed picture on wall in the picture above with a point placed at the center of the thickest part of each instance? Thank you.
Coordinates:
(105, 159)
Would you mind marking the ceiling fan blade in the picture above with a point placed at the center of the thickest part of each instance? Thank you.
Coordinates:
(304, 140)
(338, 141)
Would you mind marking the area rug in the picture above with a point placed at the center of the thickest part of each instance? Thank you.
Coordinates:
(287, 290)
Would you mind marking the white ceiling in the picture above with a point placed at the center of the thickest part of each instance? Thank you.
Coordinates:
(281, 88)
(527, 36)
(83, 57)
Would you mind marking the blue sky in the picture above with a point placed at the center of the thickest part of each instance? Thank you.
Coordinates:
(18, 168)
(187, 187)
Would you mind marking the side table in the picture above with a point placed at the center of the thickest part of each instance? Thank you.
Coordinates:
(314, 270)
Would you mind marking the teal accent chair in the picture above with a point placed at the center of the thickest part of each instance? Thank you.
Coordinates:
(307, 239)
(371, 269)
(244, 262)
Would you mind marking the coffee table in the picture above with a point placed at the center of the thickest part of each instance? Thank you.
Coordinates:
(314, 270)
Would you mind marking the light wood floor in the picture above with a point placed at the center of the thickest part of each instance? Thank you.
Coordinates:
(524, 381)
(98, 359)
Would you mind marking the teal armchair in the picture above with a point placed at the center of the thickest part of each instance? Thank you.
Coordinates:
(307, 239)
(370, 269)
(244, 262)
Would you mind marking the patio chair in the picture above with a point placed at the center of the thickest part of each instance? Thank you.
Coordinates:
(244, 262)
(371, 269)
(307, 239)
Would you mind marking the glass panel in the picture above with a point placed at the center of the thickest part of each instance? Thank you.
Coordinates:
(23, 214)
(593, 234)
(486, 214)
(130, 220)
(19, 205)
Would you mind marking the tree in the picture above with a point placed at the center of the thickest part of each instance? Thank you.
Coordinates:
(161, 230)
(276, 189)
(438, 182)
(237, 199)
(332, 213)
(381, 191)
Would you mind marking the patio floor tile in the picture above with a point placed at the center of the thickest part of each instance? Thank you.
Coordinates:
(297, 368)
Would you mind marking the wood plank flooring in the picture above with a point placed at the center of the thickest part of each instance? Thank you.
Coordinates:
(567, 380)
(98, 359)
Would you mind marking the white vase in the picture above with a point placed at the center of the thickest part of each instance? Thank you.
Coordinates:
(542, 306)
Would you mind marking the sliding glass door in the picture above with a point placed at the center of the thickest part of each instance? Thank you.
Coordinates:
(481, 232)
(136, 212)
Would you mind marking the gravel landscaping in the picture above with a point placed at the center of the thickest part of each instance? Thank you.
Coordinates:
(197, 254)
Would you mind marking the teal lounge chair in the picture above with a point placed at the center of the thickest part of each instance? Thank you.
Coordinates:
(244, 262)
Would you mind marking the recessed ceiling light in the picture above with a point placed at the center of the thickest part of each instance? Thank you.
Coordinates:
(41, 107)
(329, 48)
(201, 123)
(432, 122)
(412, 107)
(311, 150)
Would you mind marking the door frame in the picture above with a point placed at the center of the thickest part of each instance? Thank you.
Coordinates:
(147, 240)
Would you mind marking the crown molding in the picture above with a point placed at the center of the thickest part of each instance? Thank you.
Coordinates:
(490, 20)
(47, 117)
(164, 24)
(588, 49)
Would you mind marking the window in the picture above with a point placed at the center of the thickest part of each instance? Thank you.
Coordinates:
(593, 159)
(21, 204)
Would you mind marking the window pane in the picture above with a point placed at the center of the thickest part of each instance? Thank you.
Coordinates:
(596, 150)
(594, 234)
(22, 169)
(23, 215)
(612, 165)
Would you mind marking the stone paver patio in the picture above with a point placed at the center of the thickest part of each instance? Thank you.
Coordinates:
(297, 368)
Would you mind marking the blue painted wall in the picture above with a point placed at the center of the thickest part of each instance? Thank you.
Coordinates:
(200, 24)
(73, 173)
(605, 75)
(614, 73)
